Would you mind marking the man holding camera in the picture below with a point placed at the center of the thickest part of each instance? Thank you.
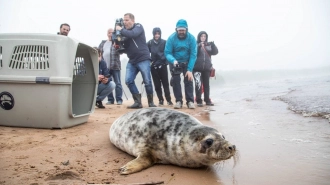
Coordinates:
(139, 59)
(181, 51)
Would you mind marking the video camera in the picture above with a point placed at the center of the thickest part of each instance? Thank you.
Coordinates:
(176, 70)
(117, 37)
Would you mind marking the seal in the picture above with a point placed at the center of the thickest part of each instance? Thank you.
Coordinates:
(166, 136)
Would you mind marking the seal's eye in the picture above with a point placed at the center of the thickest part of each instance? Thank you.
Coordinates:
(209, 142)
(223, 137)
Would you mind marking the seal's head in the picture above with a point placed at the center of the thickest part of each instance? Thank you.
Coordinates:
(210, 146)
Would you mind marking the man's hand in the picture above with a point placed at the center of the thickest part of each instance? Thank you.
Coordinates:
(105, 80)
(189, 75)
(101, 77)
(118, 28)
(175, 63)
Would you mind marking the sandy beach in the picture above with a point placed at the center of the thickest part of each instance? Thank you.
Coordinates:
(83, 154)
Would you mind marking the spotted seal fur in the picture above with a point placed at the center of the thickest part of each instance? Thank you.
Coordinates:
(160, 135)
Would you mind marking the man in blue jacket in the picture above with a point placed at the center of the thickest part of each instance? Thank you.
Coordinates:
(137, 51)
(181, 51)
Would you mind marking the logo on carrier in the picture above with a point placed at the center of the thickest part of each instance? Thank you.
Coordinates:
(6, 100)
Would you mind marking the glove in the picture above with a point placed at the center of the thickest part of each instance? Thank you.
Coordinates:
(212, 43)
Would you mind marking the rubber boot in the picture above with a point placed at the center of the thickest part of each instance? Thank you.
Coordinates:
(151, 100)
(137, 102)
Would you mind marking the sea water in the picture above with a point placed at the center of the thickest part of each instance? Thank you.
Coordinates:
(279, 123)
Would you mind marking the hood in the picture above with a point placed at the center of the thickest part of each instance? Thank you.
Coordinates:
(182, 24)
(199, 36)
(157, 30)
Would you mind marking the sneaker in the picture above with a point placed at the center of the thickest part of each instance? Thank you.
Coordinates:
(110, 103)
(169, 103)
(191, 105)
(178, 105)
(161, 102)
(119, 102)
(209, 104)
(199, 104)
(100, 105)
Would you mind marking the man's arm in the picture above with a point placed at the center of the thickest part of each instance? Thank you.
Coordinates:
(133, 33)
(101, 47)
(161, 52)
(169, 51)
(105, 70)
(193, 53)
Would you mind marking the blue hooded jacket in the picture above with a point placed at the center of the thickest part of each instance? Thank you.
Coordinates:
(181, 50)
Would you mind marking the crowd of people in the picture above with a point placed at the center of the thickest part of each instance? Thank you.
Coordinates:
(180, 54)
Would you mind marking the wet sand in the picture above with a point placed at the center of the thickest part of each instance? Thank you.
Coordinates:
(276, 145)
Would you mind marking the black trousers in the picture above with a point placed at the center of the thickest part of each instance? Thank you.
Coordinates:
(160, 78)
(188, 85)
(200, 78)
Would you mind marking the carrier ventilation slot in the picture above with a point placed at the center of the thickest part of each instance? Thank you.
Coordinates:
(79, 68)
(30, 57)
(0, 57)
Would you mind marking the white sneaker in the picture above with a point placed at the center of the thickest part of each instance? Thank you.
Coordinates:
(191, 105)
(178, 105)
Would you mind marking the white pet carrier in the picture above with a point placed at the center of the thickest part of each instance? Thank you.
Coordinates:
(46, 80)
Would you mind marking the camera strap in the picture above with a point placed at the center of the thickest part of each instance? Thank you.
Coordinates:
(206, 52)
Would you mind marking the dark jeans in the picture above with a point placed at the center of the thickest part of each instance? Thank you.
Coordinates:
(202, 78)
(160, 77)
(188, 85)
(119, 89)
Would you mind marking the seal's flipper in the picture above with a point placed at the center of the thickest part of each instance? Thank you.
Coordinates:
(138, 164)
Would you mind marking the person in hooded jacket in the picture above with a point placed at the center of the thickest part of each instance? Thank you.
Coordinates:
(181, 51)
(159, 63)
(138, 53)
(203, 67)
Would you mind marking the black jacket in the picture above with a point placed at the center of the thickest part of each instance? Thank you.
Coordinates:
(156, 49)
(204, 61)
(135, 44)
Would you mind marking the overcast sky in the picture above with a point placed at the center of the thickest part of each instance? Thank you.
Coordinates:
(253, 34)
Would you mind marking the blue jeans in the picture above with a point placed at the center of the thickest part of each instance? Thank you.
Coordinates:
(103, 90)
(119, 89)
(132, 70)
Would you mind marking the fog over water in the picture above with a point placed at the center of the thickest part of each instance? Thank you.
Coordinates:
(251, 35)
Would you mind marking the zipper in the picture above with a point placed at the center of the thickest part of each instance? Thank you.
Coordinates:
(204, 60)
(135, 43)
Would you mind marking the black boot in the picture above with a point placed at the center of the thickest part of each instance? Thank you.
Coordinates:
(137, 102)
(100, 105)
(151, 100)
